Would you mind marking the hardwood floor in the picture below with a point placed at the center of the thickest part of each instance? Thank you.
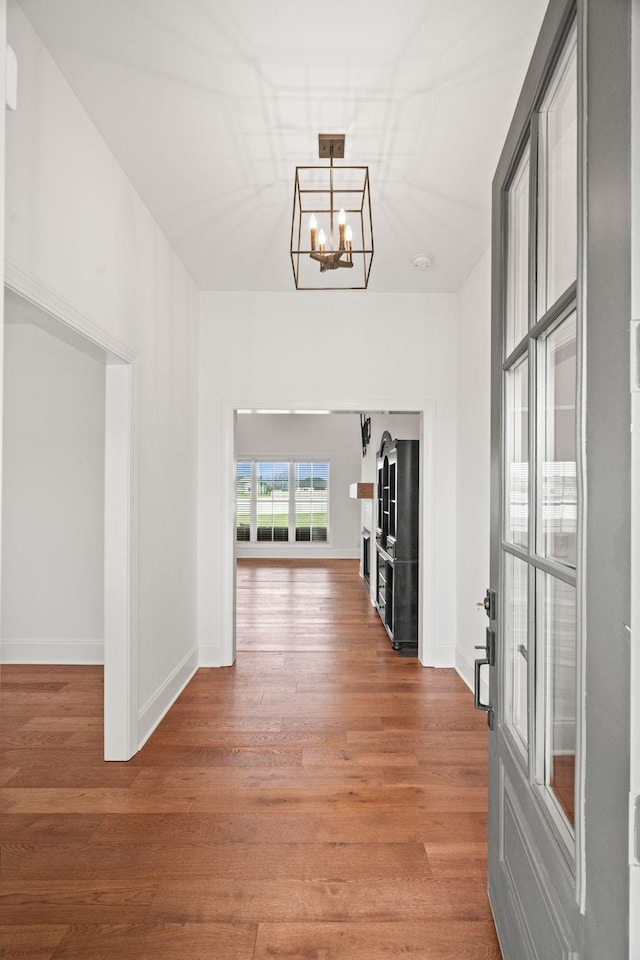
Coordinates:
(323, 799)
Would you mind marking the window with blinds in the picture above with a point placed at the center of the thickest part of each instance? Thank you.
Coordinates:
(272, 501)
(244, 488)
(311, 501)
(280, 501)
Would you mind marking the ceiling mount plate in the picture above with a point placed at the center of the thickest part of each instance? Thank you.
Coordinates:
(331, 145)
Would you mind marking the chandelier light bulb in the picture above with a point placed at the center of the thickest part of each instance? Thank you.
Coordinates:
(313, 227)
(341, 220)
(322, 240)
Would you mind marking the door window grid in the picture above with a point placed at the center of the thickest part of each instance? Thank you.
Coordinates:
(557, 491)
(556, 630)
(516, 499)
(282, 501)
(557, 182)
(516, 649)
(517, 278)
(549, 352)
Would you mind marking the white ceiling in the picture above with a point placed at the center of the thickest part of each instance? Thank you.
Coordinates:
(209, 105)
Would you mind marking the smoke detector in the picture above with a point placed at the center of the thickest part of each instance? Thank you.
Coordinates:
(422, 261)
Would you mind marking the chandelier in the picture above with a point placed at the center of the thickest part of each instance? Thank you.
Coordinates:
(331, 227)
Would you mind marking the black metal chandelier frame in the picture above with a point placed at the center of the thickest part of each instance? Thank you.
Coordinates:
(309, 201)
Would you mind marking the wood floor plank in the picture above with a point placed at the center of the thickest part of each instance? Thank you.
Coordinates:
(423, 740)
(404, 940)
(15, 710)
(87, 800)
(201, 738)
(321, 756)
(223, 861)
(74, 901)
(160, 941)
(76, 774)
(323, 798)
(218, 756)
(69, 724)
(48, 828)
(460, 777)
(247, 778)
(327, 725)
(225, 725)
(7, 774)
(24, 738)
(358, 826)
(304, 901)
(30, 941)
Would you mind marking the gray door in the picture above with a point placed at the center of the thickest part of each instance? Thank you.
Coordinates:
(557, 653)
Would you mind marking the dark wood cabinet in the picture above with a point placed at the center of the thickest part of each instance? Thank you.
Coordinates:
(397, 531)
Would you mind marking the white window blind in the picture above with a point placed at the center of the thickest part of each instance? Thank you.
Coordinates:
(244, 487)
(272, 501)
(311, 501)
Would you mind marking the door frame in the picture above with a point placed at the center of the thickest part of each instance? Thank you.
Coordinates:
(426, 410)
(634, 788)
(120, 509)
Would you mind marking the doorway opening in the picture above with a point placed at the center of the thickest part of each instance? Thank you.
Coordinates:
(97, 529)
(424, 414)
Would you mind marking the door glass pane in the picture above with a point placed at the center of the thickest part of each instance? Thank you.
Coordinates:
(557, 642)
(517, 279)
(517, 454)
(557, 530)
(558, 182)
(516, 646)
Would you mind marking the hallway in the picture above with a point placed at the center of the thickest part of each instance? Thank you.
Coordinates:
(324, 798)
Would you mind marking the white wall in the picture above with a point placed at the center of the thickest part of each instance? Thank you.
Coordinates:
(473, 463)
(76, 226)
(332, 437)
(52, 500)
(376, 352)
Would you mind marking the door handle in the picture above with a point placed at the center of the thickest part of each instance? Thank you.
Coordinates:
(489, 647)
(488, 660)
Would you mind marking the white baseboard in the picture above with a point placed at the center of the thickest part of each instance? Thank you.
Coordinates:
(466, 670)
(464, 667)
(52, 651)
(442, 655)
(165, 696)
(211, 656)
(290, 551)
